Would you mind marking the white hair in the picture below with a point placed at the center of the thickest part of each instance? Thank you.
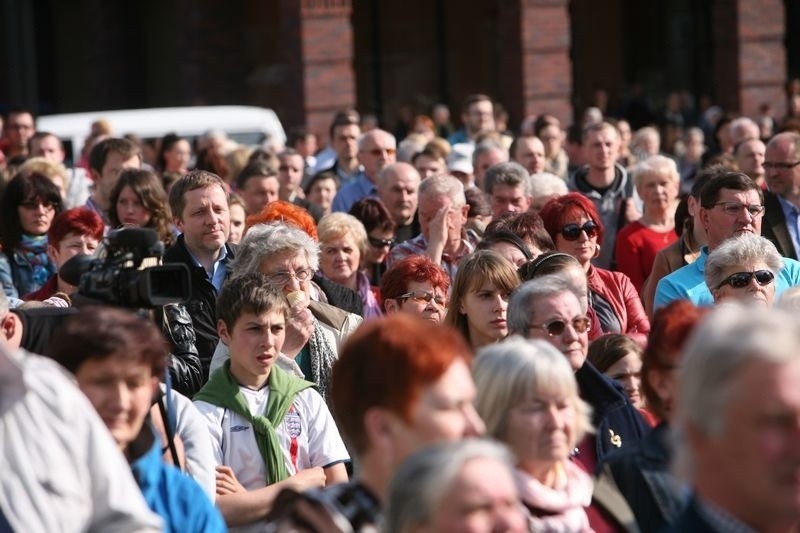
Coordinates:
(264, 240)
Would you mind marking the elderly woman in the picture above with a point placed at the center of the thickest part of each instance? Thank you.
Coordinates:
(576, 228)
(657, 181)
(417, 286)
(642, 473)
(479, 299)
(343, 242)
(289, 257)
(744, 268)
(528, 397)
(459, 486)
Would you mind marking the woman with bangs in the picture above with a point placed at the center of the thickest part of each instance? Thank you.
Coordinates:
(529, 400)
(479, 299)
(138, 200)
(574, 224)
(29, 204)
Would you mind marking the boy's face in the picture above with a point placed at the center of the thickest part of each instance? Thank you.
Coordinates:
(121, 390)
(254, 342)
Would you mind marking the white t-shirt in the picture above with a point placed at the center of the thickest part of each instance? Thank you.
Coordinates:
(308, 436)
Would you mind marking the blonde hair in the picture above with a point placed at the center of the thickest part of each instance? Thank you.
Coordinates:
(339, 225)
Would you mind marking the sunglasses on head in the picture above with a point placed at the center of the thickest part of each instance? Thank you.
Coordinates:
(739, 280)
(572, 232)
(554, 328)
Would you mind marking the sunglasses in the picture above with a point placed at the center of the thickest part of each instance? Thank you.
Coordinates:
(554, 328)
(424, 297)
(572, 232)
(380, 243)
(740, 280)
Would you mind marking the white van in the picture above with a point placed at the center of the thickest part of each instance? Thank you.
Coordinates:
(251, 126)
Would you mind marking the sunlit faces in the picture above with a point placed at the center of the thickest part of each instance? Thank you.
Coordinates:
(48, 147)
(322, 193)
(483, 498)
(530, 153)
(658, 191)
(510, 252)
(782, 168)
(258, 191)
(753, 293)
(205, 221)
(345, 140)
(340, 259)
(551, 137)
(130, 210)
(237, 217)
(429, 166)
(176, 159)
(429, 310)
(541, 429)
(444, 411)
(584, 247)
(485, 308)
(566, 307)
(379, 245)
(627, 371)
(70, 246)
(398, 191)
(601, 148)
(107, 179)
(290, 174)
(36, 215)
(720, 225)
(254, 341)
(290, 261)
(456, 217)
(479, 117)
(750, 158)
(378, 149)
(509, 199)
(121, 391)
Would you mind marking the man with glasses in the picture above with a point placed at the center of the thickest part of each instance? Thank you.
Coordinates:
(376, 149)
(731, 204)
(416, 286)
(552, 309)
(18, 128)
(782, 201)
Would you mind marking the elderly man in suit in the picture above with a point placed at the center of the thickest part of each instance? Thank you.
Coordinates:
(782, 202)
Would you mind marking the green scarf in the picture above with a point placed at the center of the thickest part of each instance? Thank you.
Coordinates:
(223, 390)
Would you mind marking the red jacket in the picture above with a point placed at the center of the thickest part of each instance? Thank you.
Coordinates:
(618, 290)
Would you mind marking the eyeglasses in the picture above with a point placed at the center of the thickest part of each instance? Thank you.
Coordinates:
(734, 208)
(380, 243)
(34, 204)
(740, 280)
(554, 328)
(285, 277)
(424, 297)
(779, 166)
(377, 152)
(572, 232)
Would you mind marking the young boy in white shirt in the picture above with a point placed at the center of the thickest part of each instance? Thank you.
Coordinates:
(269, 429)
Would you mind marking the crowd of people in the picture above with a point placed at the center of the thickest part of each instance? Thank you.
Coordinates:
(558, 329)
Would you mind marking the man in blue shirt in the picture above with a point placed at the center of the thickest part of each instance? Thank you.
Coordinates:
(730, 204)
(376, 149)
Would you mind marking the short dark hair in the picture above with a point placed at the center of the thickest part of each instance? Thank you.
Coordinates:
(98, 332)
(709, 194)
(346, 117)
(195, 179)
(249, 293)
(253, 169)
(23, 187)
(474, 99)
(100, 151)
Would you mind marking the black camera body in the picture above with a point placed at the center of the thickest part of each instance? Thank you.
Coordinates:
(118, 280)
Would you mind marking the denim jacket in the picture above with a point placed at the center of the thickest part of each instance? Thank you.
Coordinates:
(16, 274)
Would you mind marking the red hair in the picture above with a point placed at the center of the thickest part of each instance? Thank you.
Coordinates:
(286, 212)
(79, 220)
(394, 281)
(671, 328)
(558, 211)
(387, 362)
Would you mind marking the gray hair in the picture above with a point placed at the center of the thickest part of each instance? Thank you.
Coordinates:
(338, 225)
(722, 346)
(508, 373)
(743, 128)
(264, 240)
(485, 147)
(658, 165)
(443, 185)
(547, 184)
(372, 134)
(509, 173)
(520, 307)
(739, 251)
(423, 480)
(411, 145)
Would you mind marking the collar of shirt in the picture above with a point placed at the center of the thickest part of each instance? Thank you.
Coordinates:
(220, 268)
(789, 209)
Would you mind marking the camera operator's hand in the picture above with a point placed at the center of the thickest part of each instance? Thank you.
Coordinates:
(298, 329)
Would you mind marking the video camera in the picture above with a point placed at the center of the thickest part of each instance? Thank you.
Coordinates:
(118, 280)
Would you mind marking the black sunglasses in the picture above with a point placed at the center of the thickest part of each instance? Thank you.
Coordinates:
(739, 280)
(572, 232)
(380, 243)
(555, 328)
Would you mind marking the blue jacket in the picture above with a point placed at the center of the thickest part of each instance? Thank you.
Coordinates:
(16, 275)
(175, 497)
(617, 422)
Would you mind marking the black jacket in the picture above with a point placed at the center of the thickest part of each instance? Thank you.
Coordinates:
(202, 306)
(773, 226)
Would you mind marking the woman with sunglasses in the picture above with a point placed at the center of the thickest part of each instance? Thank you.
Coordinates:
(479, 299)
(744, 268)
(29, 204)
(574, 224)
(380, 236)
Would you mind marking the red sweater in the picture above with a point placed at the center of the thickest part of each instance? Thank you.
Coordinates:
(636, 248)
